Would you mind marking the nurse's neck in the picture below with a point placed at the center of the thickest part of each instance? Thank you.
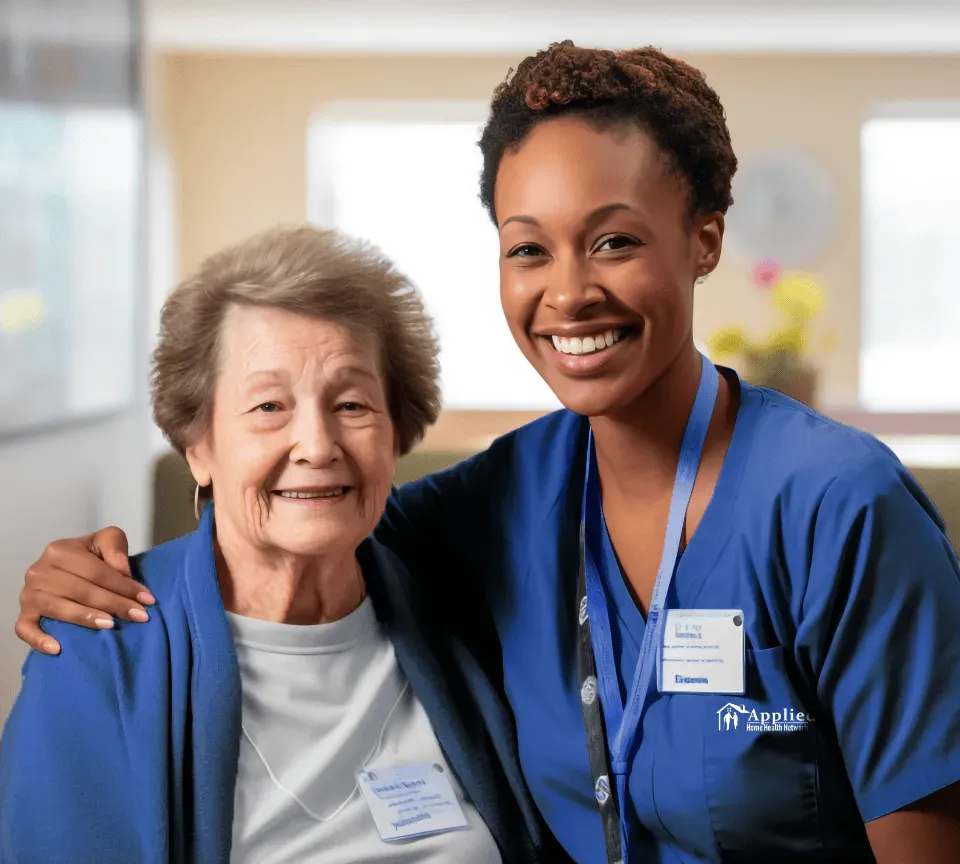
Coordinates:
(638, 448)
(637, 455)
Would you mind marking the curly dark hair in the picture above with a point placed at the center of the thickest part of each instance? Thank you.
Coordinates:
(667, 98)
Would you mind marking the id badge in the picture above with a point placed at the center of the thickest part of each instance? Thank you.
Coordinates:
(411, 801)
(702, 652)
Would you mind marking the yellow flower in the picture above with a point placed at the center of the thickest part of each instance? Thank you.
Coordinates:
(788, 337)
(799, 296)
(728, 341)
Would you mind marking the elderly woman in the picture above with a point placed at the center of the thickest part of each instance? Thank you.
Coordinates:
(287, 701)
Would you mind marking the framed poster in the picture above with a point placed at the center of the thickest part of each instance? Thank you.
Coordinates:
(70, 210)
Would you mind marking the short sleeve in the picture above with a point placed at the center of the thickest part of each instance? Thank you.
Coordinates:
(879, 631)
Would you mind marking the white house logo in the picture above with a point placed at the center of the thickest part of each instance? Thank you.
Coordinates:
(732, 717)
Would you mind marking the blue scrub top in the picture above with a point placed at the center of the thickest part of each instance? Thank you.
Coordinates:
(851, 599)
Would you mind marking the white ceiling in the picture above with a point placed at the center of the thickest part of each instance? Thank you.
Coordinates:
(428, 26)
(512, 26)
(452, 6)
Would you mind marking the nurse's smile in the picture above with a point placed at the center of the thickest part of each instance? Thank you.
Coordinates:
(585, 349)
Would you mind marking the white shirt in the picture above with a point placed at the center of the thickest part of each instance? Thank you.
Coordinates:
(321, 703)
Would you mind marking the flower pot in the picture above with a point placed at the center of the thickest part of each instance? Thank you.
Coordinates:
(793, 379)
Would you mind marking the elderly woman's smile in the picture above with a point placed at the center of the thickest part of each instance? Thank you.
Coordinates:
(321, 497)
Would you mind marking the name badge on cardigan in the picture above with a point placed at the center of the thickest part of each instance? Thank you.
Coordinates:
(411, 801)
(702, 652)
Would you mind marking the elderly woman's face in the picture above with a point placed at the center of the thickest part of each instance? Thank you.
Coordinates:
(300, 448)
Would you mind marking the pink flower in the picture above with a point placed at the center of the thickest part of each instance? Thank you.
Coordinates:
(767, 273)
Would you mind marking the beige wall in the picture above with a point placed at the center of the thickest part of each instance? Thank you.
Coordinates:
(237, 132)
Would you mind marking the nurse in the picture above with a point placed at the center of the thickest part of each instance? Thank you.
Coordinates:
(677, 547)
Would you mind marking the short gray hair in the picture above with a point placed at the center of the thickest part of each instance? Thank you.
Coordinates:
(312, 272)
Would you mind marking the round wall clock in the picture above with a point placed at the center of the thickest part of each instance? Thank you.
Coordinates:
(784, 208)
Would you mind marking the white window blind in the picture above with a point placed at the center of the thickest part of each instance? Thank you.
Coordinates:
(910, 344)
(405, 176)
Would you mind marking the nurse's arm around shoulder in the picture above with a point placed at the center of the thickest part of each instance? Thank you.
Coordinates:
(432, 523)
(67, 768)
(440, 526)
(879, 633)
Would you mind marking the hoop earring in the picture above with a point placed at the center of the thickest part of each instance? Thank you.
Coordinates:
(196, 502)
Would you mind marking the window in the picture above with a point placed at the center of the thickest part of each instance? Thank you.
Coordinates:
(405, 176)
(70, 210)
(69, 262)
(910, 343)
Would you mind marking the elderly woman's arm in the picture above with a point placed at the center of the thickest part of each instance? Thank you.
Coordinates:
(75, 785)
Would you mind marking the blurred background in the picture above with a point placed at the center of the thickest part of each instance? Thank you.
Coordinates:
(138, 138)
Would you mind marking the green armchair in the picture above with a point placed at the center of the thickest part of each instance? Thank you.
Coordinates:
(173, 487)
(943, 487)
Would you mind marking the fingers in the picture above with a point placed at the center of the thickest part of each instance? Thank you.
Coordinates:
(43, 593)
(73, 613)
(60, 609)
(111, 545)
(29, 631)
(71, 583)
(65, 560)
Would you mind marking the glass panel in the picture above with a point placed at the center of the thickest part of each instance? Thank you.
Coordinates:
(69, 244)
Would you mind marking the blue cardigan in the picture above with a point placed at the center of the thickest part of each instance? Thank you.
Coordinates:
(124, 747)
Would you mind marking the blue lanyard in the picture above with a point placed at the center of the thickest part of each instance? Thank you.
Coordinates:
(620, 723)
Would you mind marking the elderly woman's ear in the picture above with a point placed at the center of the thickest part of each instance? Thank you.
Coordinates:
(199, 464)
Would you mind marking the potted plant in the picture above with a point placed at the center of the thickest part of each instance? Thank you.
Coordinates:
(783, 359)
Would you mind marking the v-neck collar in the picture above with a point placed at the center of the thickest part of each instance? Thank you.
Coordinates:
(697, 557)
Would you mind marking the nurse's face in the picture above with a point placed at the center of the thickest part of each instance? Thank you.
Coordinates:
(598, 259)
